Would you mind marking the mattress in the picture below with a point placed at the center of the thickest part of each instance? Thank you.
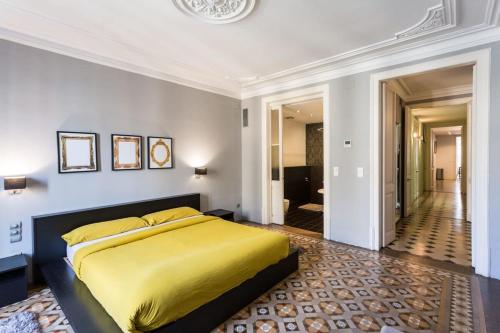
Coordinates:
(150, 277)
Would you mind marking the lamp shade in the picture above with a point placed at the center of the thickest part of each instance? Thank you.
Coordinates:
(200, 171)
(14, 183)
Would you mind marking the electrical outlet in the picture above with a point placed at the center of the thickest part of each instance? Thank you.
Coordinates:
(16, 232)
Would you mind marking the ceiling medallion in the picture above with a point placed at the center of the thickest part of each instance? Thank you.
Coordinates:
(216, 11)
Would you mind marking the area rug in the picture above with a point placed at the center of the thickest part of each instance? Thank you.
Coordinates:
(22, 322)
(312, 207)
(338, 288)
(50, 315)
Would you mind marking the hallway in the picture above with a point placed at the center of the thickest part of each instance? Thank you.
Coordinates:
(437, 229)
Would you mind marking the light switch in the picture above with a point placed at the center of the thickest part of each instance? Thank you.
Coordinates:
(335, 171)
(360, 172)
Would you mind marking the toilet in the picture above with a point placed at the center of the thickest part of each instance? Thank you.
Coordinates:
(286, 204)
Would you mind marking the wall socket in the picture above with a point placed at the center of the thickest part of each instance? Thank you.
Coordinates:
(16, 232)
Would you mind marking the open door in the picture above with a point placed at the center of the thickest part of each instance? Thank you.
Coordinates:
(277, 185)
(389, 172)
(468, 156)
(407, 204)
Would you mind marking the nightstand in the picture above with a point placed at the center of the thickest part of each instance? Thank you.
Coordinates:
(222, 213)
(13, 279)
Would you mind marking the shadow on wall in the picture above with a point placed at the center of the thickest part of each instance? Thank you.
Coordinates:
(38, 185)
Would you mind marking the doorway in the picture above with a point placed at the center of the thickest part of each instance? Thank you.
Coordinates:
(433, 221)
(303, 165)
(384, 184)
(295, 186)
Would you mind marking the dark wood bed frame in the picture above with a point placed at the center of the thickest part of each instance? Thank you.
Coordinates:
(84, 312)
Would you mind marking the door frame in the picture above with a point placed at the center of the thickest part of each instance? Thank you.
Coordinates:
(480, 148)
(429, 149)
(452, 101)
(281, 184)
(321, 91)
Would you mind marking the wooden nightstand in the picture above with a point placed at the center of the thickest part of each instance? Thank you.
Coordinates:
(13, 279)
(222, 213)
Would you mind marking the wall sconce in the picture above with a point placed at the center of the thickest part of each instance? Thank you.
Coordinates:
(200, 171)
(15, 184)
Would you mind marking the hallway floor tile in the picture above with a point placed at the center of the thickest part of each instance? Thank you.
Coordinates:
(437, 229)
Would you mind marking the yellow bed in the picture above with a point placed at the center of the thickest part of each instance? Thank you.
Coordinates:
(150, 278)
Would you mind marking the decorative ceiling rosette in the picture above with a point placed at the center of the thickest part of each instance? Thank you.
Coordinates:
(216, 11)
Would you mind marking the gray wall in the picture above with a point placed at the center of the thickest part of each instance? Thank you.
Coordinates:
(350, 114)
(41, 92)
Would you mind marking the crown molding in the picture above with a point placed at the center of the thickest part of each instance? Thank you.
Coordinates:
(492, 13)
(54, 47)
(337, 67)
(405, 46)
(400, 87)
(438, 93)
(447, 8)
(438, 18)
(404, 86)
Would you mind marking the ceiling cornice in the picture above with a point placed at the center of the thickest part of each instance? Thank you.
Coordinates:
(492, 13)
(405, 46)
(438, 93)
(115, 63)
(438, 18)
(325, 71)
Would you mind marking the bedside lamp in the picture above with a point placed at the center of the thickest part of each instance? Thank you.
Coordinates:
(15, 184)
(200, 171)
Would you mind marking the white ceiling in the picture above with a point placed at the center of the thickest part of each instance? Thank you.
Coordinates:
(154, 38)
(309, 112)
(453, 130)
(441, 114)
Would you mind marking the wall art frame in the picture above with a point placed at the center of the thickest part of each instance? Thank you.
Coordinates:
(160, 153)
(77, 152)
(126, 152)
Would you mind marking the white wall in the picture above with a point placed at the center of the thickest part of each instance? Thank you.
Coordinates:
(294, 143)
(41, 92)
(350, 195)
(446, 155)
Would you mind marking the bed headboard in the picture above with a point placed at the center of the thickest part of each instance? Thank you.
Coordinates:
(48, 229)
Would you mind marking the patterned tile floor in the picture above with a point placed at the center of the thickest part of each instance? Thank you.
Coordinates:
(338, 288)
(305, 219)
(438, 229)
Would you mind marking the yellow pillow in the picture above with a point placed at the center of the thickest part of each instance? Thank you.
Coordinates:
(170, 215)
(102, 229)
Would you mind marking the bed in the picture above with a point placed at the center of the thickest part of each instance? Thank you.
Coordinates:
(188, 300)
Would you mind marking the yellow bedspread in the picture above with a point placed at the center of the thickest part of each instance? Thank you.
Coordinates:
(148, 279)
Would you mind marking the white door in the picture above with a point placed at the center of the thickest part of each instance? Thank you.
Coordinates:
(389, 164)
(407, 162)
(468, 173)
(277, 186)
